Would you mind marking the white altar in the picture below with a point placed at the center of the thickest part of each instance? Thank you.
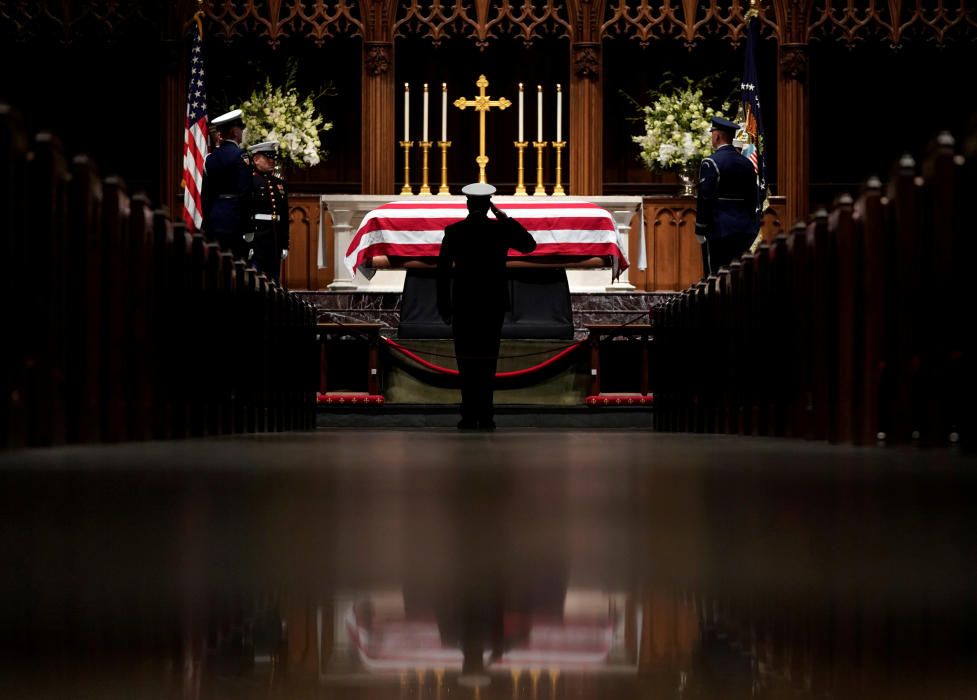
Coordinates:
(347, 211)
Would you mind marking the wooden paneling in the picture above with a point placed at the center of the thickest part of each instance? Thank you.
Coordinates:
(301, 268)
(674, 255)
(674, 261)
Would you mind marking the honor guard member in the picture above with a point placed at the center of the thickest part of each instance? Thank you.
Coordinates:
(267, 233)
(227, 182)
(726, 210)
(473, 296)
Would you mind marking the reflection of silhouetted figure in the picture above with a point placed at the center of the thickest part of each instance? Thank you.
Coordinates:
(484, 578)
(475, 297)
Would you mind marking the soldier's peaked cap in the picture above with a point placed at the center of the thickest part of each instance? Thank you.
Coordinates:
(478, 189)
(267, 148)
(720, 124)
(228, 119)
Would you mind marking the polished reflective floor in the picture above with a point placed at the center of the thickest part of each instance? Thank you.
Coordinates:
(525, 564)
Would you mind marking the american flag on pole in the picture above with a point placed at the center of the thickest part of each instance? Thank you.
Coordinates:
(195, 135)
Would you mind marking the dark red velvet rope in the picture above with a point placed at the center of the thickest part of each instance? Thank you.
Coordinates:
(499, 375)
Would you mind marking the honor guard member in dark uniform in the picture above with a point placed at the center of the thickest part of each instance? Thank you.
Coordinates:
(227, 182)
(267, 232)
(473, 296)
(726, 211)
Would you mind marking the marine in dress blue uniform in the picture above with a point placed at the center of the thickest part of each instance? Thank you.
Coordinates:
(473, 296)
(726, 210)
(227, 182)
(267, 230)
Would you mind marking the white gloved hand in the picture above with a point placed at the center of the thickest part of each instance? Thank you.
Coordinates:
(284, 254)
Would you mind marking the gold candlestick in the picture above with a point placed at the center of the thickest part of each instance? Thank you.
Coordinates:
(558, 188)
(540, 190)
(406, 146)
(521, 185)
(443, 190)
(425, 147)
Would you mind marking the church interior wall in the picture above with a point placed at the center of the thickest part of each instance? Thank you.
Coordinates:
(871, 104)
(632, 70)
(98, 98)
(237, 68)
(100, 89)
(505, 63)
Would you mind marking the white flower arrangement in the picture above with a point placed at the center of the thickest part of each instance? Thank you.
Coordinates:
(277, 114)
(676, 129)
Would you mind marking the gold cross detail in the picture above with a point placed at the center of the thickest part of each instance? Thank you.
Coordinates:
(482, 104)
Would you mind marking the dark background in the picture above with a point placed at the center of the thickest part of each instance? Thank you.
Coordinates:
(102, 95)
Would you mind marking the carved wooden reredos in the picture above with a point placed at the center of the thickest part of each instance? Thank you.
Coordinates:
(848, 22)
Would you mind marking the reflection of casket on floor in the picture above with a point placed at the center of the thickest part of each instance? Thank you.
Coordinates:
(580, 635)
(408, 235)
(568, 234)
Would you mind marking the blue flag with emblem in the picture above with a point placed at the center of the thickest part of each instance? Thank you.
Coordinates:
(750, 86)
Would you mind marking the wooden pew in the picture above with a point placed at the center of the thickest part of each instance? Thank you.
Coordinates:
(871, 358)
(13, 234)
(115, 225)
(140, 357)
(84, 310)
(134, 329)
(848, 330)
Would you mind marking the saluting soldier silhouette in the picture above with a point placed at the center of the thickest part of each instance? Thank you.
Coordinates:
(473, 296)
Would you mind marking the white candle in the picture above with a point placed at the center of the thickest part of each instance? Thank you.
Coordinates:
(539, 112)
(424, 129)
(406, 112)
(444, 111)
(559, 113)
(520, 113)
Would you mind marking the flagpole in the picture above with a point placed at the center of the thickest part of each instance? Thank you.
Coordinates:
(754, 12)
(198, 17)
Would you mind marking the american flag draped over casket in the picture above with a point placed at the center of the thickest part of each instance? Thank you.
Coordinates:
(567, 231)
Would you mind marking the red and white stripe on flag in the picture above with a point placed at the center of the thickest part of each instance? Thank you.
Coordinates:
(751, 153)
(415, 230)
(195, 138)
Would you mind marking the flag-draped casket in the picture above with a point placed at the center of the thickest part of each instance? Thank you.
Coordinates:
(571, 232)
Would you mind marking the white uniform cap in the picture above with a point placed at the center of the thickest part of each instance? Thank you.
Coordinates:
(478, 189)
(227, 117)
(264, 147)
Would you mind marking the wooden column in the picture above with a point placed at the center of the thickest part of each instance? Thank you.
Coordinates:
(172, 100)
(586, 120)
(378, 118)
(793, 154)
(172, 126)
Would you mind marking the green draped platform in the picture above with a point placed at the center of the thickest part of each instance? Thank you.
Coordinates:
(564, 383)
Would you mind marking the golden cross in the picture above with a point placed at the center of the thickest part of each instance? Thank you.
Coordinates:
(482, 104)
